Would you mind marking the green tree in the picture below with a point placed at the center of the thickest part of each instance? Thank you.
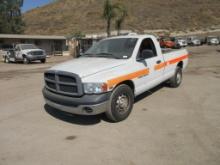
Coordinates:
(10, 16)
(121, 15)
(108, 15)
(2, 14)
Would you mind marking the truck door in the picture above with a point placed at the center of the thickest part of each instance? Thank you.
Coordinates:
(17, 52)
(152, 63)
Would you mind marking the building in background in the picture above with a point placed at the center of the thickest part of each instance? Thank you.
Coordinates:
(53, 45)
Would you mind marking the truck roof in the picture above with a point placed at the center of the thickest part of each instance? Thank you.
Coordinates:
(24, 44)
(134, 36)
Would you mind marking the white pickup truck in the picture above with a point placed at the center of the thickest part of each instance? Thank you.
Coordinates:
(110, 74)
(25, 53)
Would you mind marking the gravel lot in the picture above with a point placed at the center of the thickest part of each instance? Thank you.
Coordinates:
(167, 126)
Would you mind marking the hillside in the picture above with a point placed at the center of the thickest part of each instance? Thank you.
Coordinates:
(64, 17)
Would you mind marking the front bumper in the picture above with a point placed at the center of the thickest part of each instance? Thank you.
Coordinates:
(85, 105)
(36, 57)
(214, 43)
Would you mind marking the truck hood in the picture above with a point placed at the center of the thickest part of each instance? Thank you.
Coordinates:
(86, 66)
(31, 50)
(214, 40)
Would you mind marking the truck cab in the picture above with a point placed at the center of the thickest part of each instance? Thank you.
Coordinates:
(108, 77)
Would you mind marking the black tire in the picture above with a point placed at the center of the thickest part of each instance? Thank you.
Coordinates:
(6, 60)
(178, 46)
(176, 80)
(120, 104)
(26, 60)
(43, 60)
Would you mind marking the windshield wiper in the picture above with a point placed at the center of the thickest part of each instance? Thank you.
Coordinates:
(89, 55)
(105, 54)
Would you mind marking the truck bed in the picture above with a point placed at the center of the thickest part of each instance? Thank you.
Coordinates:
(168, 50)
(171, 54)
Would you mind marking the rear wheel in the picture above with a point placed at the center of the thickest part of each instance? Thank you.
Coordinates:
(176, 80)
(121, 103)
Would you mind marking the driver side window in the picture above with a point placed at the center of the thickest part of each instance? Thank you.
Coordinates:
(147, 44)
(17, 48)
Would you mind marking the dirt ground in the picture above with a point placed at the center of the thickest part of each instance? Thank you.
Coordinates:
(167, 126)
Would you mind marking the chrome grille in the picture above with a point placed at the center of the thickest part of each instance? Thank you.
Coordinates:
(63, 82)
(37, 53)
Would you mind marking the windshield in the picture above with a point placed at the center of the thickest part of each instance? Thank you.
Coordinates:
(181, 39)
(211, 38)
(166, 39)
(28, 46)
(121, 48)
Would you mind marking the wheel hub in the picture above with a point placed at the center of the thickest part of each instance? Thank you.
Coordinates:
(122, 103)
(178, 78)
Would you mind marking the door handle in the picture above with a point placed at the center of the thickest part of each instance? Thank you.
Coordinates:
(159, 61)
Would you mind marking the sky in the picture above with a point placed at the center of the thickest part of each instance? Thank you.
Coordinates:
(30, 4)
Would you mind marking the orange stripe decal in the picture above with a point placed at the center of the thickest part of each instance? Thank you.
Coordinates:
(111, 83)
(130, 76)
(178, 59)
(173, 61)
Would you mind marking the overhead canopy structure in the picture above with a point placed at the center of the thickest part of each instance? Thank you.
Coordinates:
(51, 44)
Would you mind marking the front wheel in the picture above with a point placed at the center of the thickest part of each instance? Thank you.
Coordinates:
(121, 103)
(25, 60)
(176, 80)
(6, 59)
(43, 60)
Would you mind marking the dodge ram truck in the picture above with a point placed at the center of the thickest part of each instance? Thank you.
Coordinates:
(108, 77)
(25, 53)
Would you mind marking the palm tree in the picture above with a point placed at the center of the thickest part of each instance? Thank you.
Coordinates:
(108, 15)
(122, 13)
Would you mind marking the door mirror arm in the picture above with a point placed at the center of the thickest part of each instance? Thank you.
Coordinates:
(140, 59)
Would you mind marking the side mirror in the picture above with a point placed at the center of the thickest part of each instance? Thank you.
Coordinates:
(145, 54)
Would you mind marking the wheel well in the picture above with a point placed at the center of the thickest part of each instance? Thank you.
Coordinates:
(23, 55)
(129, 83)
(180, 64)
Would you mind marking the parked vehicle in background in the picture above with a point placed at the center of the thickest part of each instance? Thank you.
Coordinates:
(110, 74)
(25, 53)
(194, 41)
(182, 42)
(4, 49)
(166, 42)
(212, 40)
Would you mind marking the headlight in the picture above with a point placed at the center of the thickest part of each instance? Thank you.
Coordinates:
(95, 88)
(29, 53)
